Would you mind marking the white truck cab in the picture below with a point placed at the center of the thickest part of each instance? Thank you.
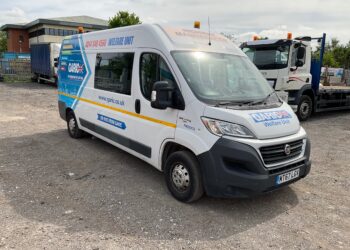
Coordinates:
(199, 111)
(288, 66)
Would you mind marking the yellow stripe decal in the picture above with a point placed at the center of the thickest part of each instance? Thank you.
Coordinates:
(172, 125)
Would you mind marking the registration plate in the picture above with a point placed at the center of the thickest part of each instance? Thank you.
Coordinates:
(287, 176)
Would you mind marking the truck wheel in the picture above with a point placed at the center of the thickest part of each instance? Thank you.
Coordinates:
(183, 177)
(73, 130)
(304, 108)
(38, 80)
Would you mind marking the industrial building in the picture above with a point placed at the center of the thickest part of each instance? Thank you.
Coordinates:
(47, 30)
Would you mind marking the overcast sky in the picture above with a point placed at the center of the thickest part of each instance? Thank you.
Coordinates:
(272, 18)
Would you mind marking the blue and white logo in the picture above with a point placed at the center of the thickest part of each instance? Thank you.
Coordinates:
(272, 118)
(111, 121)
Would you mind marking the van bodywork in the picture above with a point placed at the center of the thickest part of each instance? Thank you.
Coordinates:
(230, 166)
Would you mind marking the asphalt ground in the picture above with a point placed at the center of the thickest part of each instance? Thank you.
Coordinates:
(60, 193)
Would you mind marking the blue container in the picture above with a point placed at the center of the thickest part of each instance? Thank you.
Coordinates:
(40, 59)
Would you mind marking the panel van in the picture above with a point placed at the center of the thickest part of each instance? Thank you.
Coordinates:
(191, 105)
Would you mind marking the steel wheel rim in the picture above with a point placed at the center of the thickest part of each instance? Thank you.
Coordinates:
(71, 125)
(180, 177)
(304, 108)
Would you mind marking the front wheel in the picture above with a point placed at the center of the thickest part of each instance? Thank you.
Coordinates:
(183, 177)
(304, 108)
(73, 129)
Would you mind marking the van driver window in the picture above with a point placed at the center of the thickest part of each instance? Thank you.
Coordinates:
(113, 72)
(153, 68)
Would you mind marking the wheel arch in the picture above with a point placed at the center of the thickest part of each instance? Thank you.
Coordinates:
(170, 147)
(310, 93)
(297, 94)
(63, 110)
(196, 143)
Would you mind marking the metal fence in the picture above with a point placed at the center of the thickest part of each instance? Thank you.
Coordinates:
(15, 69)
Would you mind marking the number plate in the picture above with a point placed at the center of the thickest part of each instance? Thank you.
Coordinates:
(287, 176)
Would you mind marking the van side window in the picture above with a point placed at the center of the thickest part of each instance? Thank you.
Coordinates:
(113, 72)
(153, 68)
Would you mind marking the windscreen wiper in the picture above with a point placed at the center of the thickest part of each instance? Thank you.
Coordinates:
(225, 103)
(263, 100)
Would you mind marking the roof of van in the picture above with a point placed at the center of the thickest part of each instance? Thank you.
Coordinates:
(159, 37)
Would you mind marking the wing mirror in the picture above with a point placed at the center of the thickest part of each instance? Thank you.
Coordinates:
(301, 53)
(299, 63)
(163, 96)
(300, 56)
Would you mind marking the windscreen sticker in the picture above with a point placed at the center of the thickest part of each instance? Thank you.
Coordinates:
(272, 118)
(111, 121)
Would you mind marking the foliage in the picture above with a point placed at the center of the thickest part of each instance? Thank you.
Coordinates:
(3, 41)
(123, 18)
(336, 55)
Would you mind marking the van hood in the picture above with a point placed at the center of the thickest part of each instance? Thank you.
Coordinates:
(264, 123)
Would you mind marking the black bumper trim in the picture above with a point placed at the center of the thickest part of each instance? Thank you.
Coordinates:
(233, 169)
(126, 142)
(62, 109)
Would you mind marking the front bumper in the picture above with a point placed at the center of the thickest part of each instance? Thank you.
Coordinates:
(234, 169)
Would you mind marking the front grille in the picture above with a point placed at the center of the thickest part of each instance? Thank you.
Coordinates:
(286, 168)
(276, 153)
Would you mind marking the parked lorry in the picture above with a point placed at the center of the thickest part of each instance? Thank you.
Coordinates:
(194, 108)
(288, 66)
(44, 58)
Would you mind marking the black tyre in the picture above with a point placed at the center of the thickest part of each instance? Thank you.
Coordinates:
(73, 129)
(38, 80)
(304, 108)
(183, 177)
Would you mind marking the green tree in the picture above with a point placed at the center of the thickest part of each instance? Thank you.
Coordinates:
(123, 18)
(3, 41)
(328, 60)
(334, 43)
(336, 54)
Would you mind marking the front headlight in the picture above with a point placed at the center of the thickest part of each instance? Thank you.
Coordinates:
(221, 128)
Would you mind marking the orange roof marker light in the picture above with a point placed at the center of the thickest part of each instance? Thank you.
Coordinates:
(80, 29)
(255, 37)
(289, 36)
(197, 24)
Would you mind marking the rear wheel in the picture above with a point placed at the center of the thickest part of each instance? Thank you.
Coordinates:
(183, 177)
(39, 80)
(73, 129)
(304, 108)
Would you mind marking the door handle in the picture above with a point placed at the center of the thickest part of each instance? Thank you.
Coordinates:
(137, 106)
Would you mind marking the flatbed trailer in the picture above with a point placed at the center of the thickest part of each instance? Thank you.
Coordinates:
(331, 98)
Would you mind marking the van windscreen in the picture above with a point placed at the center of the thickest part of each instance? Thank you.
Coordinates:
(217, 77)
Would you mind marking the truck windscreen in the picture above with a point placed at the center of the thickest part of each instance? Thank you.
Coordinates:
(269, 57)
(217, 77)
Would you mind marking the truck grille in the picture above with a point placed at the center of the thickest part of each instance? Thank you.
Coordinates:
(277, 153)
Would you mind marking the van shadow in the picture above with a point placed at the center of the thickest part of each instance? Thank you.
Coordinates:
(88, 184)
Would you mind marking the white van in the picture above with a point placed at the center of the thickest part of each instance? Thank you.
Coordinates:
(194, 108)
